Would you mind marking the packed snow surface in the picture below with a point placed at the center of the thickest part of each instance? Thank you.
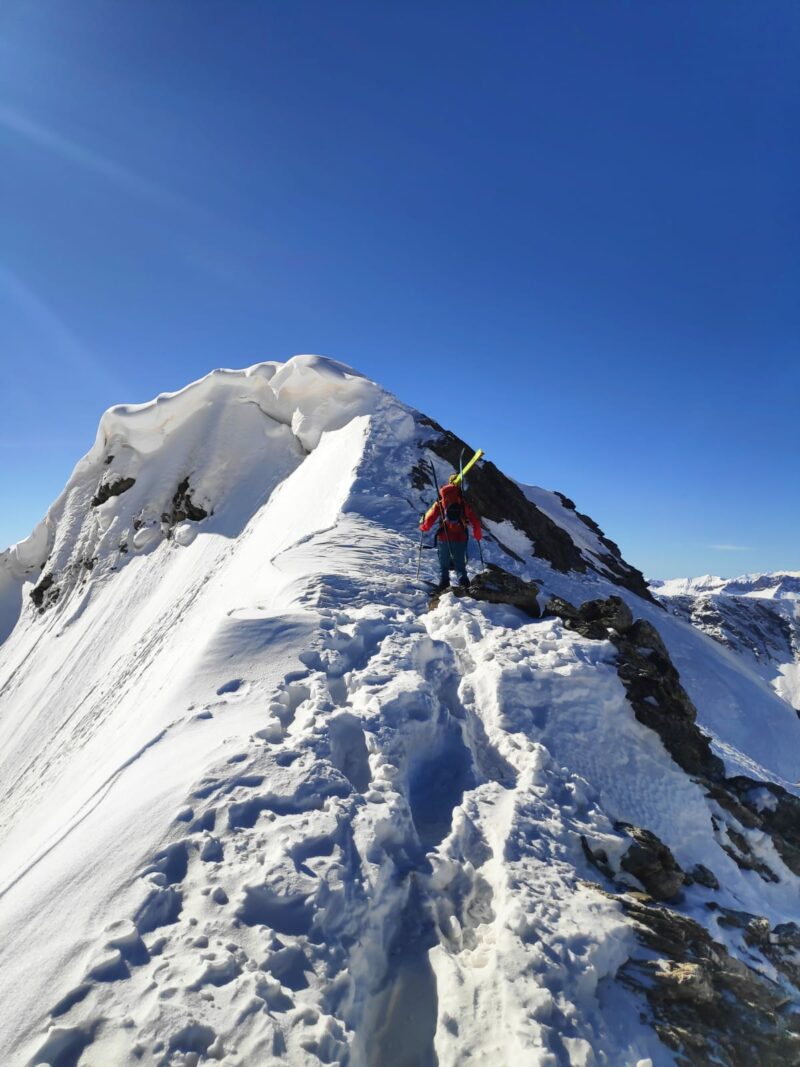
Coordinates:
(258, 805)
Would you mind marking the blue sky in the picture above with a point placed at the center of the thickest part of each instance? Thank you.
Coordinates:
(567, 231)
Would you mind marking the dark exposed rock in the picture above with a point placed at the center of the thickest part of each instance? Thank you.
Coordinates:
(659, 700)
(45, 593)
(743, 856)
(755, 928)
(111, 488)
(779, 815)
(779, 945)
(496, 586)
(612, 612)
(598, 857)
(782, 949)
(707, 1005)
(787, 934)
(595, 619)
(183, 507)
(703, 876)
(728, 799)
(650, 861)
(562, 609)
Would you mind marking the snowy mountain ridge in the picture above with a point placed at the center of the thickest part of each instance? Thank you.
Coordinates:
(756, 616)
(776, 585)
(265, 801)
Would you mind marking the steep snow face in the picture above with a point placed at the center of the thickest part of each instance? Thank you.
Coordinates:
(258, 805)
(756, 616)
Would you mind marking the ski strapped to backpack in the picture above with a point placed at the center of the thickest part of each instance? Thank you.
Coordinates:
(465, 470)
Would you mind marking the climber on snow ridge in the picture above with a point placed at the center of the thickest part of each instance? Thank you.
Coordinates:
(455, 516)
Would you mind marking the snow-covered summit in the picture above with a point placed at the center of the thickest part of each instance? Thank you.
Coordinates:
(220, 444)
(262, 801)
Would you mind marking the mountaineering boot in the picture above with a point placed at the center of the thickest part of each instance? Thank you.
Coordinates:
(444, 584)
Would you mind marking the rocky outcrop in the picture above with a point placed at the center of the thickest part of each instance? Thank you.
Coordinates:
(114, 487)
(769, 807)
(496, 586)
(45, 593)
(650, 861)
(702, 876)
(183, 507)
(647, 859)
(659, 700)
(706, 1005)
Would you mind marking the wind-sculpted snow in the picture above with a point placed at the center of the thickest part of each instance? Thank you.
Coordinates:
(220, 445)
(259, 805)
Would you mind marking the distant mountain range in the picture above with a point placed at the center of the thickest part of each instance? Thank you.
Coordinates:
(777, 585)
(756, 616)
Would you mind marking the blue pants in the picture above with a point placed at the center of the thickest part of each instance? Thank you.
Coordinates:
(453, 555)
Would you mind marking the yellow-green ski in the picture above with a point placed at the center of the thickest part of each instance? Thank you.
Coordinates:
(457, 479)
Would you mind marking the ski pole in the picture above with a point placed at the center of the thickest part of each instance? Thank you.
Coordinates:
(419, 557)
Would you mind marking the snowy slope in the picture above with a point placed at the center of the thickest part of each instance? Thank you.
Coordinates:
(258, 804)
(756, 616)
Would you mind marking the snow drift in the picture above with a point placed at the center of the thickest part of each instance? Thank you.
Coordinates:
(261, 803)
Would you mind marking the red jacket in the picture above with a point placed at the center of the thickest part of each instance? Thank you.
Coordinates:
(450, 495)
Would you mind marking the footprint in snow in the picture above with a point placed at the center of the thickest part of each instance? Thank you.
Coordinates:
(233, 686)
